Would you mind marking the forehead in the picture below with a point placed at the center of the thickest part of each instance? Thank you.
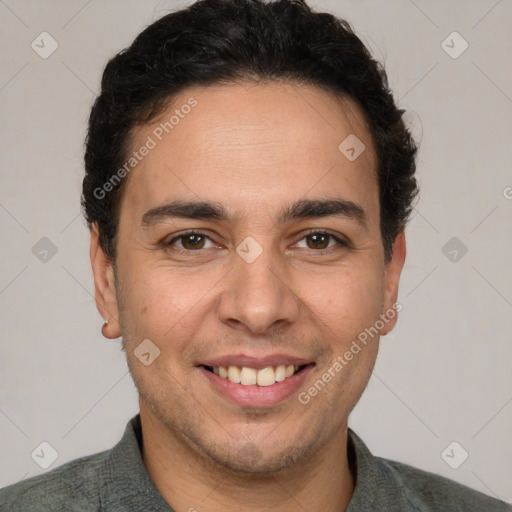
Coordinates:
(253, 144)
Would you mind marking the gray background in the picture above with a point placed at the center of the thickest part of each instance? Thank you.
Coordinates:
(443, 375)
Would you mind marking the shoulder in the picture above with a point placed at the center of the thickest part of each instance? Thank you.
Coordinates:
(427, 491)
(74, 486)
(383, 484)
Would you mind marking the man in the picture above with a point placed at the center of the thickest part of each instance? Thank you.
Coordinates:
(248, 182)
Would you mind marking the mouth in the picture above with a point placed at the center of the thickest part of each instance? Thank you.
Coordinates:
(256, 382)
(247, 376)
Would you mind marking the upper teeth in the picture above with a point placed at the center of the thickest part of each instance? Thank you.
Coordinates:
(250, 376)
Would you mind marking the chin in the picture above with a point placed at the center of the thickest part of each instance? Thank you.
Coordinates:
(250, 460)
(256, 459)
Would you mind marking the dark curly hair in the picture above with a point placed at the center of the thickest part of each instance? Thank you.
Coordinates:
(225, 41)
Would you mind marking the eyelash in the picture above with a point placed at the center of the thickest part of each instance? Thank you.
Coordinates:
(179, 250)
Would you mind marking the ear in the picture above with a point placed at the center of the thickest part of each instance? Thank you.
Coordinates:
(391, 280)
(104, 286)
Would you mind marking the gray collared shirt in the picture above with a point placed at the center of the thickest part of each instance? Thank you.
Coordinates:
(116, 480)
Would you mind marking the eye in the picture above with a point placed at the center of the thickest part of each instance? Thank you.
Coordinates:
(320, 240)
(191, 241)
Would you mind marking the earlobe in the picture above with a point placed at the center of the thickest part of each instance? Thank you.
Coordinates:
(393, 272)
(104, 286)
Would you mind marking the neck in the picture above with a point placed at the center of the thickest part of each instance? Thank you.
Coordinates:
(189, 482)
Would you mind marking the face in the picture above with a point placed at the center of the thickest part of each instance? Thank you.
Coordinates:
(249, 245)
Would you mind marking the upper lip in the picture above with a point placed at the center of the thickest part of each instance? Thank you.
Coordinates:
(257, 363)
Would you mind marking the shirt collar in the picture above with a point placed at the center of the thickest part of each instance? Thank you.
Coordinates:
(377, 485)
(125, 483)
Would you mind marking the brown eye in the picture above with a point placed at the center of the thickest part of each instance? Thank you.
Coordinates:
(192, 242)
(318, 241)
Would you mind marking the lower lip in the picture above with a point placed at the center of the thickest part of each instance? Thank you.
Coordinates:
(258, 396)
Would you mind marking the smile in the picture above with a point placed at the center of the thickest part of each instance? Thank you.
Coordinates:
(255, 377)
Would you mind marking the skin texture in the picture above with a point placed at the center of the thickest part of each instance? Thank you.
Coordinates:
(254, 149)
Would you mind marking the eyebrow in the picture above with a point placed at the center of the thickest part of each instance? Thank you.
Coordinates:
(186, 210)
(318, 208)
(301, 209)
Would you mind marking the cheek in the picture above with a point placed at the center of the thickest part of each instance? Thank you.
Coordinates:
(346, 301)
(161, 303)
(346, 306)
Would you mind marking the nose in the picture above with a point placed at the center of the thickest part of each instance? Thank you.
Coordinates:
(256, 296)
